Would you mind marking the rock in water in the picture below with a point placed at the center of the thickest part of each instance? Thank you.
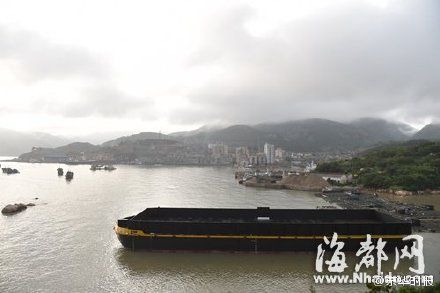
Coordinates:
(13, 208)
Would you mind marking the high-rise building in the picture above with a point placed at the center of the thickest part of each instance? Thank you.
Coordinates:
(218, 149)
(269, 152)
(280, 154)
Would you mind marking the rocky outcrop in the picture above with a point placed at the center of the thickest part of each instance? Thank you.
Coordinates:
(15, 208)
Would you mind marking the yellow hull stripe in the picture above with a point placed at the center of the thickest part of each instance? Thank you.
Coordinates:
(140, 233)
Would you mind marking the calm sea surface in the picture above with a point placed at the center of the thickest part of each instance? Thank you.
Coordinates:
(66, 242)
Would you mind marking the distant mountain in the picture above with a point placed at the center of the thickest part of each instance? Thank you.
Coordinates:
(137, 137)
(236, 135)
(205, 128)
(13, 143)
(142, 151)
(316, 135)
(99, 137)
(76, 149)
(307, 135)
(430, 132)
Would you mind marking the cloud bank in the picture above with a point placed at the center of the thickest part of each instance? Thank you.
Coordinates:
(348, 61)
(164, 68)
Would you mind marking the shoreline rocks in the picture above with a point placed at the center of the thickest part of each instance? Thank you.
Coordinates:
(402, 192)
(424, 218)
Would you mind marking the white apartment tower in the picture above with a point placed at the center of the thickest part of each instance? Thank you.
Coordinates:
(269, 151)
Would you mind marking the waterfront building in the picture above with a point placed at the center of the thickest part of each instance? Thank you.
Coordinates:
(280, 154)
(258, 159)
(269, 152)
(310, 166)
(242, 152)
(242, 156)
(218, 149)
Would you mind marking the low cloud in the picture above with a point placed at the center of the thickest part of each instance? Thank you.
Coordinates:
(40, 59)
(103, 101)
(341, 63)
(59, 66)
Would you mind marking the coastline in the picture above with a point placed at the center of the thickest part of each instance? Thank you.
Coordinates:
(424, 218)
(424, 215)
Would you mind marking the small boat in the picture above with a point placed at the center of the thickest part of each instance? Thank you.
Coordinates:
(95, 167)
(109, 168)
(60, 171)
(69, 175)
(10, 171)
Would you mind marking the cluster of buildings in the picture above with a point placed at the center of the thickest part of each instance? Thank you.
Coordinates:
(271, 156)
(160, 151)
(244, 156)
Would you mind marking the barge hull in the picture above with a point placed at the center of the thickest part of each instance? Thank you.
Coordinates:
(241, 245)
(254, 230)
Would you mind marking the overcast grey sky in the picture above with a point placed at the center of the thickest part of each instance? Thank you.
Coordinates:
(76, 67)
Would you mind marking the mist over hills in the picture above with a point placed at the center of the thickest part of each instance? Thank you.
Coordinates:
(309, 135)
(136, 137)
(13, 143)
(430, 132)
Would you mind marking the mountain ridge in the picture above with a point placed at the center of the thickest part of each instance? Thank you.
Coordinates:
(430, 132)
(314, 134)
(306, 135)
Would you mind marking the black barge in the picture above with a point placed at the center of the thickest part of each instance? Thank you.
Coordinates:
(261, 229)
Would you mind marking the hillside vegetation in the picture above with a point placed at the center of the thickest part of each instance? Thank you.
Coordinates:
(406, 166)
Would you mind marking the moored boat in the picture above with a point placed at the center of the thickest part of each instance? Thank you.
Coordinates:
(10, 171)
(109, 167)
(95, 167)
(261, 229)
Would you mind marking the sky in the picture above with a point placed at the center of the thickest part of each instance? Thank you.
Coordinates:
(81, 67)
